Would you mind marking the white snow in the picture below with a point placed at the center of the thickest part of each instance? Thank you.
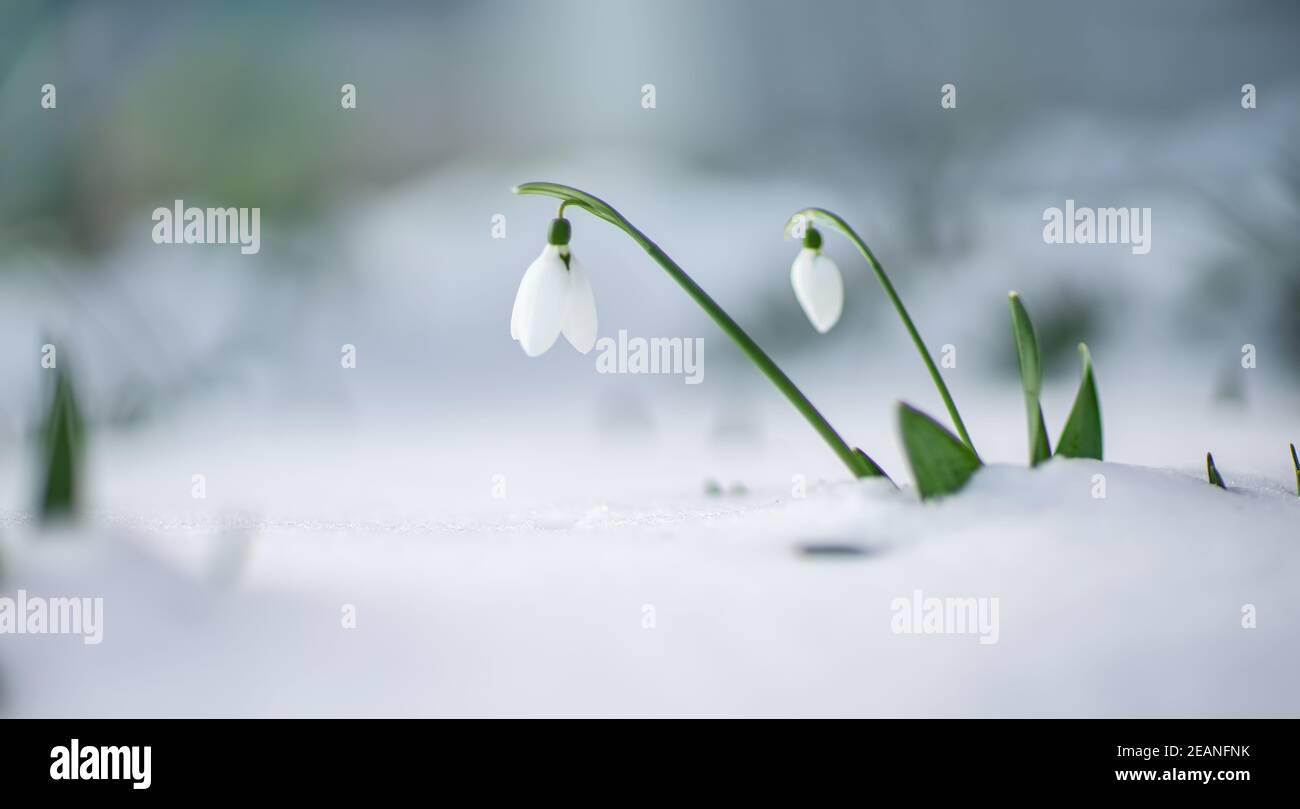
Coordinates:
(1129, 604)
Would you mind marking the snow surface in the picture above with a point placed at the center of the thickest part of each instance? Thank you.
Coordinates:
(1127, 605)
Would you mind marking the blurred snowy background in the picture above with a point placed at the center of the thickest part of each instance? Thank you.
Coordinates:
(376, 231)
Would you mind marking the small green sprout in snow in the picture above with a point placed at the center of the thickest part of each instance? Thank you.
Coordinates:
(1212, 472)
(941, 463)
(62, 437)
(1081, 436)
(1031, 379)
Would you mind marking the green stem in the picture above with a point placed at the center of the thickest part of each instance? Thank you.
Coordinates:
(839, 224)
(857, 462)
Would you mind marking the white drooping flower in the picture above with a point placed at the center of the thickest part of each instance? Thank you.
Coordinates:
(554, 297)
(818, 285)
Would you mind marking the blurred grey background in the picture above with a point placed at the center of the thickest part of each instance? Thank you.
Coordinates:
(376, 221)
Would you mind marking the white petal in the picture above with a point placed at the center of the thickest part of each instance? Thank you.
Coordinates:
(514, 319)
(580, 317)
(540, 303)
(819, 288)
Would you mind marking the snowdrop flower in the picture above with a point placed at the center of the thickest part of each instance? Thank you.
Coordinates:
(820, 290)
(817, 282)
(554, 297)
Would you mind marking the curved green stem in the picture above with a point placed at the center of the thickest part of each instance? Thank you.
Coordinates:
(857, 461)
(839, 224)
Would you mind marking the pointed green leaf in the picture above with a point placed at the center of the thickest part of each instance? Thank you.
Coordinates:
(1295, 459)
(1081, 437)
(940, 462)
(870, 469)
(1031, 378)
(62, 436)
(1043, 446)
(1212, 472)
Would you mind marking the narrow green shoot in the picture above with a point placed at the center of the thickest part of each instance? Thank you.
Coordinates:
(1081, 437)
(1031, 378)
(1295, 460)
(62, 437)
(940, 462)
(857, 461)
(1212, 472)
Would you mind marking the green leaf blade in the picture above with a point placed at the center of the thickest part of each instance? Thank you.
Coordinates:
(1031, 379)
(1295, 460)
(870, 469)
(1212, 472)
(1041, 448)
(941, 463)
(1081, 437)
(63, 436)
